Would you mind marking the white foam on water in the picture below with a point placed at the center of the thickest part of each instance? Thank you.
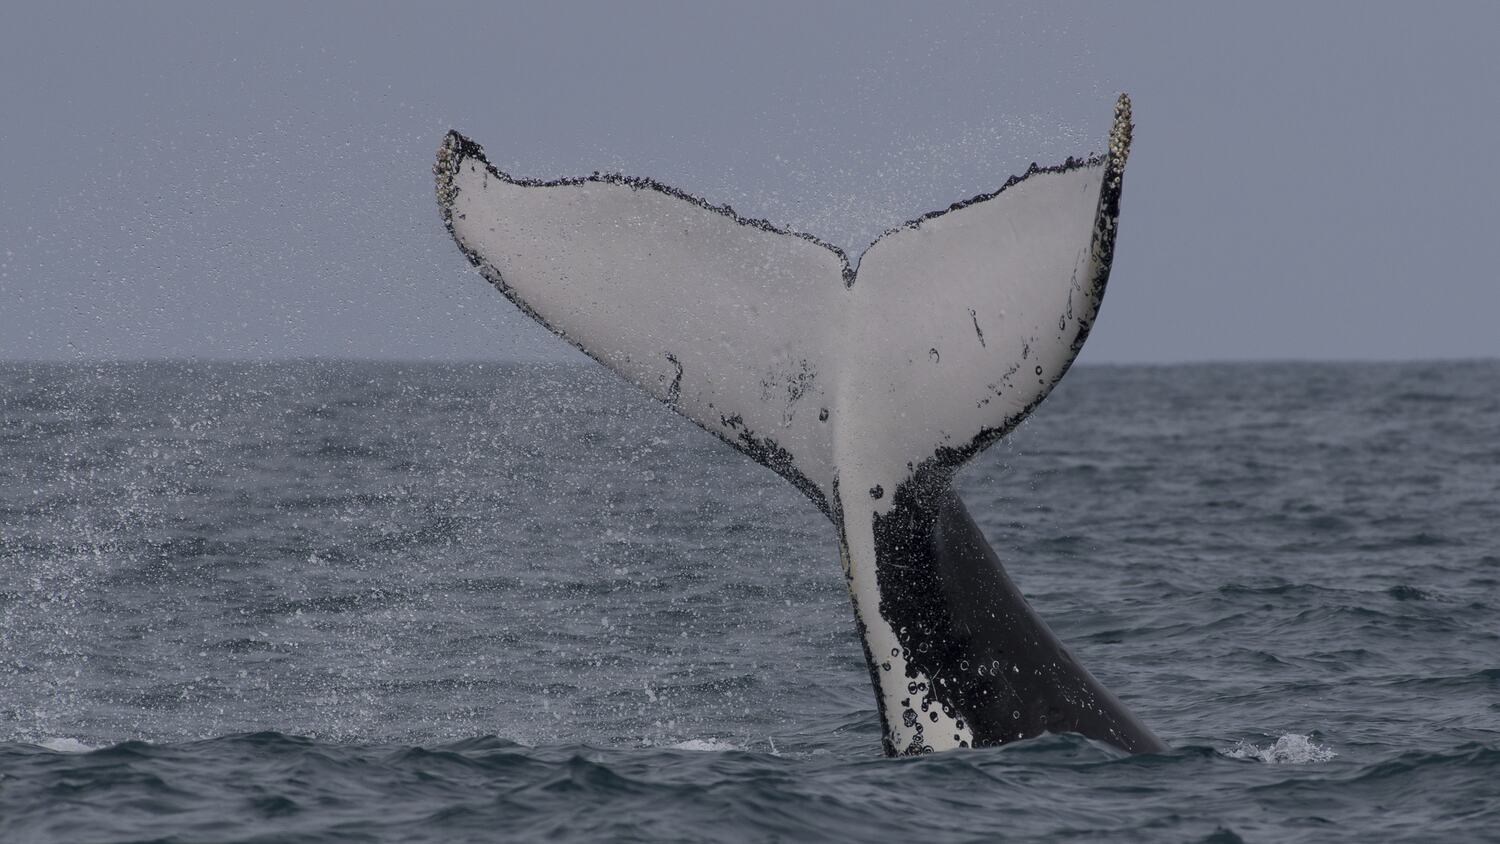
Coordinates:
(1289, 749)
(706, 745)
(66, 745)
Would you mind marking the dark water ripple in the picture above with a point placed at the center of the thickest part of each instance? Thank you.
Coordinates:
(349, 602)
(269, 786)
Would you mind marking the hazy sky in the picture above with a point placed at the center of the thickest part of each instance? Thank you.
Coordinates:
(1309, 180)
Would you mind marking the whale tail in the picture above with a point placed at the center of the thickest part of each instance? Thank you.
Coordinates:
(864, 386)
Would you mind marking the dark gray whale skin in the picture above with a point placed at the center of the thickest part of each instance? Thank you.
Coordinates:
(963, 622)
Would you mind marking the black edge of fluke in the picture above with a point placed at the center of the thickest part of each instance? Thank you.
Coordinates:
(947, 459)
(456, 147)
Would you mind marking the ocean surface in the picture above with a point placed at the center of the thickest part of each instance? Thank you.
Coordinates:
(332, 601)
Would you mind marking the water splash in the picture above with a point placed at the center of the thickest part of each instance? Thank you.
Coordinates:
(1289, 749)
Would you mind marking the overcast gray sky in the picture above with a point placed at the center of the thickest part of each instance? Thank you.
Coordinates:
(1309, 180)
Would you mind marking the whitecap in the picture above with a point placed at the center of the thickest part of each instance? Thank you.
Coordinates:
(66, 745)
(707, 745)
(1290, 749)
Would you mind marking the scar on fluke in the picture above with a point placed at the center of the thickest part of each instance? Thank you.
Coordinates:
(674, 390)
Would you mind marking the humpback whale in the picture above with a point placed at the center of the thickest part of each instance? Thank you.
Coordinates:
(865, 385)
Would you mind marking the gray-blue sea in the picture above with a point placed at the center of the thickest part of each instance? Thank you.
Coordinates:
(342, 601)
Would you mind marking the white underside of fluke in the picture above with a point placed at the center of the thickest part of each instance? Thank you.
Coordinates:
(847, 383)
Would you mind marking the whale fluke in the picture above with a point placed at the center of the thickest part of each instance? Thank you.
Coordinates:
(865, 386)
